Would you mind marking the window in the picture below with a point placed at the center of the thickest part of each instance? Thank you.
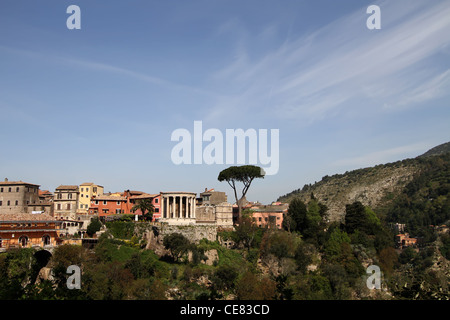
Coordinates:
(17, 189)
(105, 210)
(17, 202)
(9, 189)
(69, 196)
(96, 201)
(156, 200)
(82, 189)
(68, 206)
(1, 203)
(58, 206)
(104, 202)
(118, 203)
(1, 189)
(9, 203)
(59, 196)
(117, 211)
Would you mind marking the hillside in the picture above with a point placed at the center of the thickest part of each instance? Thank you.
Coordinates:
(438, 150)
(374, 186)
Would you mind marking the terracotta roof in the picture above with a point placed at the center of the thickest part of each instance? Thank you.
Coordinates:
(90, 184)
(109, 198)
(144, 196)
(7, 183)
(67, 187)
(134, 192)
(6, 217)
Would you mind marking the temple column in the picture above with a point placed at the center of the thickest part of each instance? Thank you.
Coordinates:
(193, 207)
(188, 206)
(166, 207)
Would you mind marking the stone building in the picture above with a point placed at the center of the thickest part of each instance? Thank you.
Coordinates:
(65, 201)
(220, 215)
(88, 190)
(212, 197)
(17, 196)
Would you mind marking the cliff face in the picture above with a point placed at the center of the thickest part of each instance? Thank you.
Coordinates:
(371, 186)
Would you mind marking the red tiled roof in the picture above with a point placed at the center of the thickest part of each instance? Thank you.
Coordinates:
(144, 196)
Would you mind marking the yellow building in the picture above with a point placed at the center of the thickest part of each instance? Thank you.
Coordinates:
(87, 191)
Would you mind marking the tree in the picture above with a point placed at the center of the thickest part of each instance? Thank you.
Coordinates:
(93, 227)
(246, 232)
(355, 216)
(177, 244)
(245, 174)
(146, 207)
(16, 271)
(308, 220)
(249, 287)
(278, 243)
(296, 216)
(333, 247)
(302, 258)
(224, 277)
(314, 221)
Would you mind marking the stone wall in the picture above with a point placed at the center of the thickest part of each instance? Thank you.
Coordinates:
(193, 232)
(205, 214)
(154, 235)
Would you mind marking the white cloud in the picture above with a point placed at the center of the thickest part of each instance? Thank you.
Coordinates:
(384, 156)
(311, 77)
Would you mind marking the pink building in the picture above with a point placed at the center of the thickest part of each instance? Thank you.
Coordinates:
(270, 216)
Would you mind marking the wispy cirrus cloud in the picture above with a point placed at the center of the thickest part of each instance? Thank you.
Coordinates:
(383, 156)
(104, 68)
(315, 75)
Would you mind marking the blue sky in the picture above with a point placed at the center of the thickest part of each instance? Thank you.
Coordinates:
(99, 104)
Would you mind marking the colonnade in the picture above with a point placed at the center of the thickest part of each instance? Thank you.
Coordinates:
(178, 205)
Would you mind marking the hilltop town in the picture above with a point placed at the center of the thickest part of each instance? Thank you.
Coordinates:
(68, 211)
